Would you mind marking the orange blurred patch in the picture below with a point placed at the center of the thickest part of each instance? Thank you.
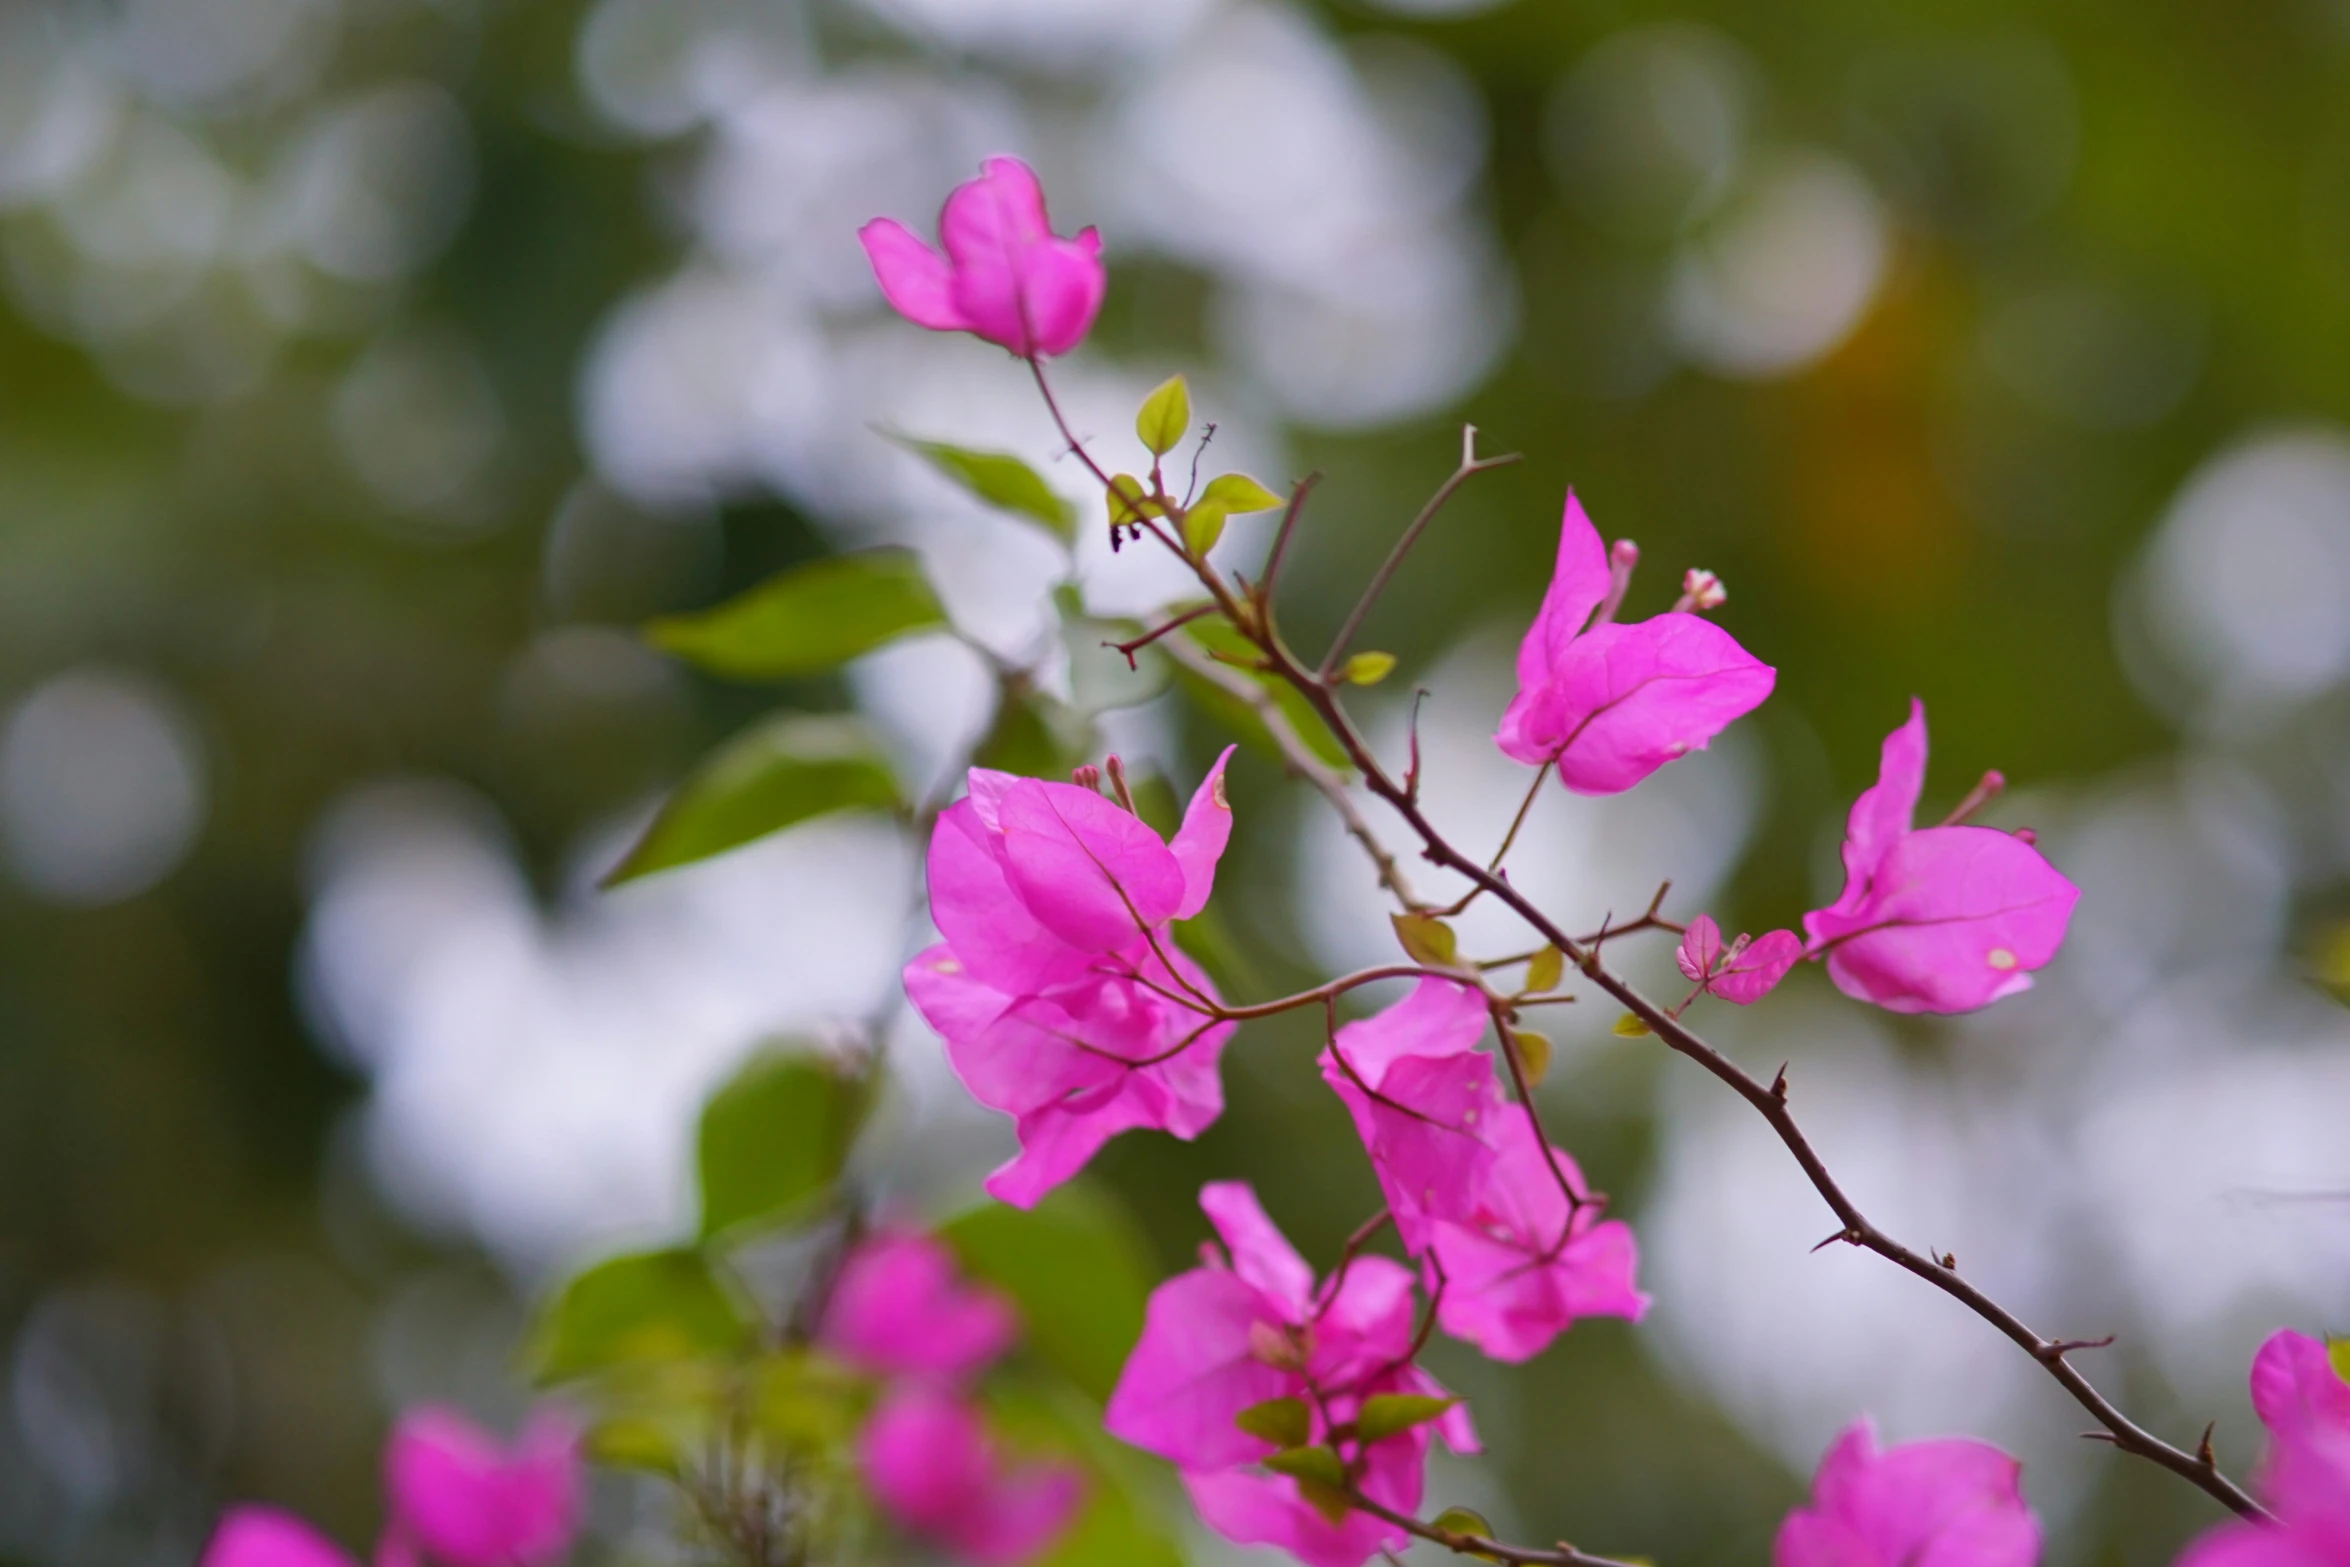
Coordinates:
(1873, 519)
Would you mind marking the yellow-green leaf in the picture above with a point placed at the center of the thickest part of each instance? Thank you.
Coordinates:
(2338, 1351)
(1385, 1414)
(1533, 1053)
(1002, 480)
(776, 774)
(1427, 939)
(1545, 970)
(1284, 1422)
(806, 620)
(1165, 416)
(1130, 500)
(1203, 525)
(1466, 1520)
(1368, 669)
(1237, 492)
(1632, 1026)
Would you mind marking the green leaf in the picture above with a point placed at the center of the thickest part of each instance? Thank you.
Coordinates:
(1427, 939)
(1545, 970)
(1284, 1422)
(645, 1306)
(1309, 1463)
(1237, 492)
(1078, 1270)
(1385, 1414)
(1213, 633)
(1203, 525)
(1631, 1026)
(775, 1136)
(1003, 481)
(2338, 1352)
(806, 620)
(1165, 416)
(773, 775)
(1368, 669)
(1533, 1053)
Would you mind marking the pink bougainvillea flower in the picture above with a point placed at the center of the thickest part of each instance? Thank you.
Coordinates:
(1609, 703)
(266, 1537)
(1950, 1503)
(467, 1502)
(1944, 919)
(1424, 1100)
(1005, 276)
(899, 1307)
(927, 1459)
(1058, 989)
(1745, 971)
(1522, 1264)
(1239, 1333)
(2305, 1480)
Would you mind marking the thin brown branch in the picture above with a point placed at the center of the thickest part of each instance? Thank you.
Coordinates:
(1129, 649)
(1478, 1545)
(1471, 465)
(1301, 760)
(1297, 502)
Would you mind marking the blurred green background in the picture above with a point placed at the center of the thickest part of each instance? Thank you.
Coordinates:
(369, 368)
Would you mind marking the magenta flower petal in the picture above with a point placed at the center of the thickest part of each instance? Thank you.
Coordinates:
(1946, 919)
(1196, 1367)
(1265, 1509)
(1089, 870)
(1623, 700)
(1199, 843)
(2238, 1544)
(1367, 1325)
(1522, 1268)
(899, 1306)
(1951, 1503)
(927, 1458)
(1423, 1099)
(1886, 811)
(1261, 1254)
(1955, 918)
(987, 923)
(1610, 704)
(1577, 583)
(2305, 1478)
(914, 278)
(266, 1537)
(1757, 968)
(1700, 950)
(1007, 277)
(469, 1503)
(2296, 1391)
(1062, 1000)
